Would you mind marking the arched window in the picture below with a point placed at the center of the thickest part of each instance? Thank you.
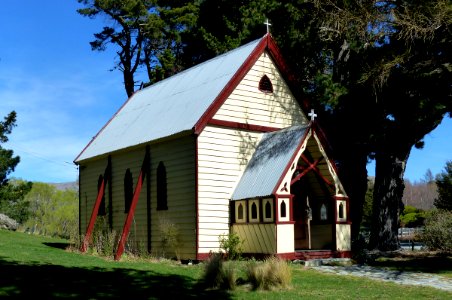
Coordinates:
(323, 213)
(253, 211)
(268, 210)
(240, 212)
(282, 209)
(128, 190)
(162, 201)
(102, 211)
(341, 210)
(265, 85)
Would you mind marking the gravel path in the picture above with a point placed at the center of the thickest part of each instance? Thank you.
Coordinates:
(400, 277)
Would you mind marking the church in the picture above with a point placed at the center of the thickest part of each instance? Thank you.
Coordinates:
(223, 147)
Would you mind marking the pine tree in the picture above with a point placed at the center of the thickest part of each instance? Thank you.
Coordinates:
(444, 184)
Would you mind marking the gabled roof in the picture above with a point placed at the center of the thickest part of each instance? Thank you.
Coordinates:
(182, 103)
(268, 163)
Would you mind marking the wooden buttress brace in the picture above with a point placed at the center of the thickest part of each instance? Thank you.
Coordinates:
(100, 194)
(136, 194)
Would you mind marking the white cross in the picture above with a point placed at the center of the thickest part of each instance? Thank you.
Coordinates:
(268, 24)
(312, 114)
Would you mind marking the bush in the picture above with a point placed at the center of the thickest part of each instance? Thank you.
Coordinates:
(270, 274)
(231, 244)
(170, 237)
(437, 234)
(219, 274)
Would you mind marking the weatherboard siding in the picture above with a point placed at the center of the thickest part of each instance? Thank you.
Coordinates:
(178, 157)
(247, 104)
(257, 238)
(222, 157)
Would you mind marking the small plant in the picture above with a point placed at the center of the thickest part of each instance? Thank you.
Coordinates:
(270, 274)
(437, 234)
(170, 237)
(232, 245)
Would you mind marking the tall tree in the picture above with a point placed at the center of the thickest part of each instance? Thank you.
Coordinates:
(8, 161)
(145, 32)
(11, 193)
(444, 183)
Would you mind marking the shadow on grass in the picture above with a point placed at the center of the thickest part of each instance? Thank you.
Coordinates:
(421, 263)
(35, 281)
(57, 245)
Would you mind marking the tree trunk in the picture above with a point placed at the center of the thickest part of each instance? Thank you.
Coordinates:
(354, 178)
(387, 200)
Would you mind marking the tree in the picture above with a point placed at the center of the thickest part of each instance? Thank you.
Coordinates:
(8, 161)
(147, 33)
(52, 212)
(444, 183)
(11, 193)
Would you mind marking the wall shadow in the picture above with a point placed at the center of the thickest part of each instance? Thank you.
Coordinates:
(37, 281)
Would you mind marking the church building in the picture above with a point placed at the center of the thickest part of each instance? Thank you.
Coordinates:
(223, 147)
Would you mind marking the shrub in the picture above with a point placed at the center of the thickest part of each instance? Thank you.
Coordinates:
(437, 234)
(219, 274)
(170, 237)
(270, 274)
(231, 244)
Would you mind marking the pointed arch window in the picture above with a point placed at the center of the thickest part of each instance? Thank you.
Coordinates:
(282, 209)
(162, 196)
(341, 210)
(323, 213)
(253, 211)
(101, 211)
(128, 190)
(265, 85)
(240, 212)
(268, 210)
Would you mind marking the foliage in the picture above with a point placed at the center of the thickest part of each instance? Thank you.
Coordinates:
(412, 217)
(420, 194)
(444, 183)
(270, 274)
(13, 202)
(218, 274)
(8, 162)
(147, 34)
(52, 212)
(170, 237)
(232, 245)
(437, 234)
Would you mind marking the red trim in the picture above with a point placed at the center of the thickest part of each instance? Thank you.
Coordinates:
(285, 223)
(341, 198)
(238, 125)
(92, 220)
(130, 215)
(312, 166)
(317, 171)
(100, 194)
(231, 85)
(202, 256)
(275, 189)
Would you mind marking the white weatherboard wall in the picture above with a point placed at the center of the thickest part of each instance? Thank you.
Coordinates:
(343, 237)
(223, 153)
(247, 104)
(222, 157)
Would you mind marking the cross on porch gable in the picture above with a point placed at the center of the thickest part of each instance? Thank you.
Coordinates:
(312, 114)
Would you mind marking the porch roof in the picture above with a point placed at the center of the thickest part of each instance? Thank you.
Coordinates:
(269, 161)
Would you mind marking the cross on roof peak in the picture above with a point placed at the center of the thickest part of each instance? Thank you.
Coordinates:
(268, 25)
(312, 114)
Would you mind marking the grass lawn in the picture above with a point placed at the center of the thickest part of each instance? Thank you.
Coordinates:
(40, 267)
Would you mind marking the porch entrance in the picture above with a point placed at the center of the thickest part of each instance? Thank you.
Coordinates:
(312, 213)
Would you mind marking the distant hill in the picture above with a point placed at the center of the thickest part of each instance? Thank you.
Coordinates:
(65, 185)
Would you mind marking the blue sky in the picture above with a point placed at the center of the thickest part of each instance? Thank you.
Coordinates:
(64, 93)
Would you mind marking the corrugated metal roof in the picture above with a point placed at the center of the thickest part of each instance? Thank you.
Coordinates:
(268, 162)
(168, 107)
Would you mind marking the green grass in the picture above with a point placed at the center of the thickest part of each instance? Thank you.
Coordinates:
(39, 267)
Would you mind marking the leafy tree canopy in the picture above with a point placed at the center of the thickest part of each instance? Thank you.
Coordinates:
(444, 184)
